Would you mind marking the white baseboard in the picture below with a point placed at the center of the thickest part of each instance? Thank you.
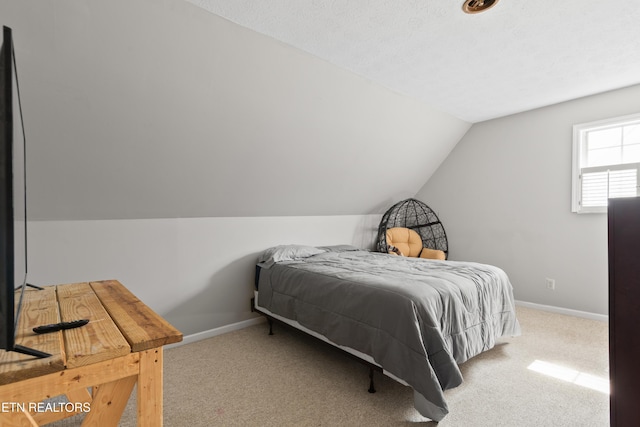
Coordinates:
(567, 311)
(217, 331)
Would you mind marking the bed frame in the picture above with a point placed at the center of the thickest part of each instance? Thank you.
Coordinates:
(354, 354)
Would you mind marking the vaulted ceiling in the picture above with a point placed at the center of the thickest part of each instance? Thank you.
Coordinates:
(147, 109)
(516, 56)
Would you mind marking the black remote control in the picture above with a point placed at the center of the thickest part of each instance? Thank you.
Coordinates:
(59, 326)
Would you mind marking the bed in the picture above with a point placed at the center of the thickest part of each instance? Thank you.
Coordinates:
(417, 319)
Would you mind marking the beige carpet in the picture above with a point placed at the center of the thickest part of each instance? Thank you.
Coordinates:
(248, 378)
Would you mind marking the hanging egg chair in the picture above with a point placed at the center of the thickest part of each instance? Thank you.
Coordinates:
(417, 216)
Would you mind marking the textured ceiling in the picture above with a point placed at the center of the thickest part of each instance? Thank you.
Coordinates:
(517, 56)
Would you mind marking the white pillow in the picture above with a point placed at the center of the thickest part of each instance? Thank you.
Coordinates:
(287, 253)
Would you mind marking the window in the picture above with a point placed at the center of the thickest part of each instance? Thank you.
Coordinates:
(606, 162)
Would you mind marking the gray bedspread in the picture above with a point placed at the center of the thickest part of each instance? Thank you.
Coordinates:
(416, 318)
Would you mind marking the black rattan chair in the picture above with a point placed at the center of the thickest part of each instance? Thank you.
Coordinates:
(417, 216)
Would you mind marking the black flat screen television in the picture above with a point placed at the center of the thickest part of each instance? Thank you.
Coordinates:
(13, 202)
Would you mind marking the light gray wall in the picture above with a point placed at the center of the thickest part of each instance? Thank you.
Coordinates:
(196, 272)
(167, 147)
(140, 113)
(504, 196)
(159, 109)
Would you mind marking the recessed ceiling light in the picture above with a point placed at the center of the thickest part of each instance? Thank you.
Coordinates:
(477, 6)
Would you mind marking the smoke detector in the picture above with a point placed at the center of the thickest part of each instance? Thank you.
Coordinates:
(477, 6)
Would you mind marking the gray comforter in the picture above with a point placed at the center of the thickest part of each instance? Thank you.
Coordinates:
(416, 318)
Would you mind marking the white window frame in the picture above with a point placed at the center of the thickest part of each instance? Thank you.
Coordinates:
(579, 153)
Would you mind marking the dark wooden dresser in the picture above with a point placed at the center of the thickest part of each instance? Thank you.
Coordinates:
(624, 311)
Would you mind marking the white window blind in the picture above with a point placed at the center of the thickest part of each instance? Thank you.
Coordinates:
(598, 185)
(606, 162)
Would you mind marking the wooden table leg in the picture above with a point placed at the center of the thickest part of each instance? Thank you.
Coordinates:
(109, 401)
(150, 388)
(17, 419)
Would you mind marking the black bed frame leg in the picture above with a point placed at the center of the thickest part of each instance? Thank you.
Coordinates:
(372, 389)
(270, 320)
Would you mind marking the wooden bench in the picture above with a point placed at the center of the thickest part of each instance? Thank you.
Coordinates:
(96, 365)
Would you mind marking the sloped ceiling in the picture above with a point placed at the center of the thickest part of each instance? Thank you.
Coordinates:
(159, 109)
(162, 109)
(516, 56)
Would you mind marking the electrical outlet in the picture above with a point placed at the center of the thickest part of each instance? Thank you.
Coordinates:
(551, 283)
